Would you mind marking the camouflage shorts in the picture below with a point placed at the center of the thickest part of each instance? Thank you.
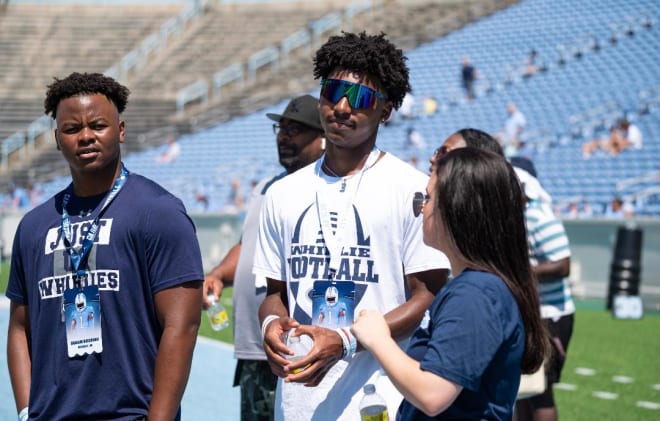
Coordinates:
(258, 385)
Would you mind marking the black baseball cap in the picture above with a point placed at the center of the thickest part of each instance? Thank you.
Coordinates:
(303, 109)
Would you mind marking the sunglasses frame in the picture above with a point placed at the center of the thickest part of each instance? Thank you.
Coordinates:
(354, 93)
(290, 129)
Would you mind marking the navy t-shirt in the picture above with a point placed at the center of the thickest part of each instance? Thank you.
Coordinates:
(145, 243)
(473, 336)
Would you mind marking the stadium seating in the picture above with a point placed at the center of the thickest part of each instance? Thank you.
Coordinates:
(579, 80)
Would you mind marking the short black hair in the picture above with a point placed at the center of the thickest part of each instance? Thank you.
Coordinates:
(475, 138)
(374, 55)
(85, 84)
(524, 163)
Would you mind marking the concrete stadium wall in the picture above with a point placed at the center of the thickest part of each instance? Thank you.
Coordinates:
(592, 245)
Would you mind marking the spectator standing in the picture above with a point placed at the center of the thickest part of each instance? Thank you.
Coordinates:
(513, 128)
(299, 143)
(483, 329)
(114, 242)
(345, 225)
(468, 78)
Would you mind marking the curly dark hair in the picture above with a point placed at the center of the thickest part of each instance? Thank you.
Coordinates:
(366, 54)
(85, 83)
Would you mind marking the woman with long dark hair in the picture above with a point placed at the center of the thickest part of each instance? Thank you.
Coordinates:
(484, 327)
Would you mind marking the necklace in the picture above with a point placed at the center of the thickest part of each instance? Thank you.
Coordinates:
(334, 174)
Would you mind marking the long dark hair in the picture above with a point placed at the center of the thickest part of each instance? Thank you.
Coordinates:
(482, 206)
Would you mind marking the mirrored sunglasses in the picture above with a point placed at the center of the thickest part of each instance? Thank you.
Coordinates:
(358, 95)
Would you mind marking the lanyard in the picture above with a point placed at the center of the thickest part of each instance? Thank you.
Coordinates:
(334, 240)
(78, 259)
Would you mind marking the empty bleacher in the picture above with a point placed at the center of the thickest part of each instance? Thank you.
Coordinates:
(616, 72)
(209, 39)
(599, 56)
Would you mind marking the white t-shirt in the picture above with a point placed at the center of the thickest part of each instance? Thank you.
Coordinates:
(634, 135)
(382, 241)
(513, 126)
(249, 291)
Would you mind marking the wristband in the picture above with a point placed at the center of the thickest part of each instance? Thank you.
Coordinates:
(348, 341)
(345, 341)
(352, 341)
(265, 324)
(23, 415)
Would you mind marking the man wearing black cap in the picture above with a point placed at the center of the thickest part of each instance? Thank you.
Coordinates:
(299, 142)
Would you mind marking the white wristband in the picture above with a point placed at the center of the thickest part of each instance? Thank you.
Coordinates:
(266, 322)
(23, 415)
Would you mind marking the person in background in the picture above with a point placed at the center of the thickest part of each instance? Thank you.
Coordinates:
(17, 198)
(430, 104)
(467, 137)
(236, 200)
(414, 139)
(348, 225)
(618, 209)
(468, 78)
(116, 256)
(483, 329)
(300, 141)
(623, 135)
(514, 126)
(171, 152)
(550, 256)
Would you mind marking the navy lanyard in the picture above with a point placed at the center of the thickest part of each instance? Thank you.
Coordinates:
(78, 258)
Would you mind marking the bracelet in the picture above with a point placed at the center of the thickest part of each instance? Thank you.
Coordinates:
(352, 340)
(348, 341)
(23, 415)
(266, 322)
(345, 341)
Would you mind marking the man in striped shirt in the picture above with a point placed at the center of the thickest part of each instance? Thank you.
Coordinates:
(551, 261)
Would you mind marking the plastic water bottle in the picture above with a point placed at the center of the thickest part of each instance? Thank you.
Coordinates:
(300, 345)
(217, 314)
(372, 405)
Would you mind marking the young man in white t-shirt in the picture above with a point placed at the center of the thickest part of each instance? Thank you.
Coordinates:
(349, 221)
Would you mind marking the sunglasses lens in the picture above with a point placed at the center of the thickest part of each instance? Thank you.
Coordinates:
(359, 96)
(364, 97)
(332, 90)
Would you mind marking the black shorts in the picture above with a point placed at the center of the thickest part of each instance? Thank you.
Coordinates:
(560, 335)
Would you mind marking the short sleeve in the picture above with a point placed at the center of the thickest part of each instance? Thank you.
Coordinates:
(467, 332)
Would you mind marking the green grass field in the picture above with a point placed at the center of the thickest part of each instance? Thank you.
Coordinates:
(625, 358)
(612, 371)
